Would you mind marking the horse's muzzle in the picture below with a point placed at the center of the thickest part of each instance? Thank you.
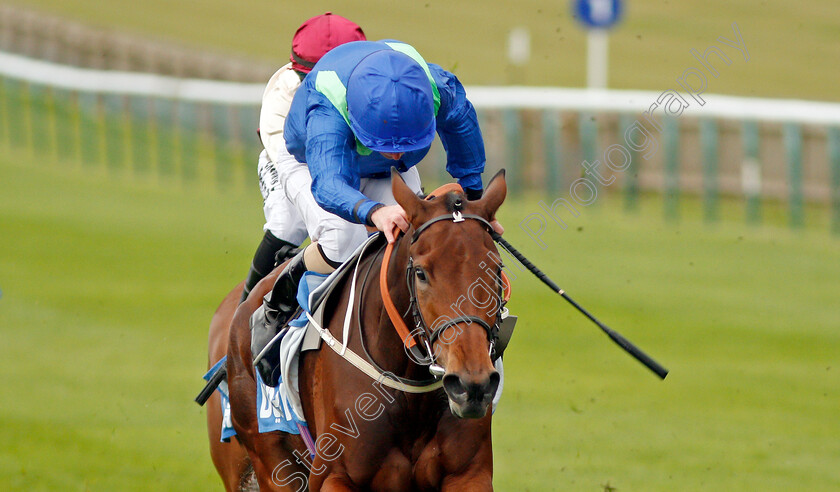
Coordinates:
(470, 400)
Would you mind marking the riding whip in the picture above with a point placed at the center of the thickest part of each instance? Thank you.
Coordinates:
(614, 335)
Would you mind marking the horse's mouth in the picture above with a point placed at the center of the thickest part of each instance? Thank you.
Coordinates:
(470, 400)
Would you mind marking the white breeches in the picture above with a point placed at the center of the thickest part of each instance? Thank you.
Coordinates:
(292, 214)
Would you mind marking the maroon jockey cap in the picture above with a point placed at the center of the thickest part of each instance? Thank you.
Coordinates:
(320, 34)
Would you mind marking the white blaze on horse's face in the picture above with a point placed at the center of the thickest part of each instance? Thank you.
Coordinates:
(454, 289)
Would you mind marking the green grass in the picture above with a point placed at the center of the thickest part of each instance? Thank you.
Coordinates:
(792, 45)
(108, 287)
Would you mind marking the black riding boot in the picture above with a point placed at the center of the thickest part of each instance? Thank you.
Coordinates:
(279, 306)
(270, 252)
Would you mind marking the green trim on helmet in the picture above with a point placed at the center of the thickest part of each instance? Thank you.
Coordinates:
(328, 84)
(409, 50)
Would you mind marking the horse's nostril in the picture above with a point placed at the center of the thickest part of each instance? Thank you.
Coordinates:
(454, 387)
(493, 383)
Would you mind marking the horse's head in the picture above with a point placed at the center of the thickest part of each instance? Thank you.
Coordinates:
(454, 281)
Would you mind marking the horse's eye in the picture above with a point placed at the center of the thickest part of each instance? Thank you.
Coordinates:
(420, 274)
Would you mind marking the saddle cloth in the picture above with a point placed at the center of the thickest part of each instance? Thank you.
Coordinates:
(279, 408)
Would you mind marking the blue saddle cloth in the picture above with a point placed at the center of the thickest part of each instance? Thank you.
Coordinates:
(279, 408)
(275, 411)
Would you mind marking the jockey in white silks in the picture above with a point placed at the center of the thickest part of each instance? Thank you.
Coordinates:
(312, 40)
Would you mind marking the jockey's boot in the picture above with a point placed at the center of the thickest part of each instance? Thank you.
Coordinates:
(279, 305)
(271, 252)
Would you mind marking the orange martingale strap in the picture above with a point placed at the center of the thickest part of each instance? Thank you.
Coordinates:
(396, 318)
(505, 287)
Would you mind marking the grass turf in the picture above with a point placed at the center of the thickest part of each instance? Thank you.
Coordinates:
(108, 287)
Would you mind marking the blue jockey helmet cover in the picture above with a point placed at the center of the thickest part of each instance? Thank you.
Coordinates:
(390, 103)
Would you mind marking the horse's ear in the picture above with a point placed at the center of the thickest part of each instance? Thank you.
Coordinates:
(494, 195)
(406, 198)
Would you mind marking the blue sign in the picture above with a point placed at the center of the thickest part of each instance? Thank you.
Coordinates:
(598, 14)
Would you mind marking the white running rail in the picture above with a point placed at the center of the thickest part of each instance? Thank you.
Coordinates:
(621, 101)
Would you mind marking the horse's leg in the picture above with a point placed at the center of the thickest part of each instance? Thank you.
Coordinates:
(462, 445)
(474, 481)
(271, 454)
(335, 483)
(478, 477)
(230, 459)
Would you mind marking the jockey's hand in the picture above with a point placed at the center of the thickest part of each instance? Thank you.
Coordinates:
(497, 227)
(387, 217)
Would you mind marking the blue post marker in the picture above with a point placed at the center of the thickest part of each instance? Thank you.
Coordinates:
(597, 16)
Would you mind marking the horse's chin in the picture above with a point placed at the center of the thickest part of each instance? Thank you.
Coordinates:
(469, 410)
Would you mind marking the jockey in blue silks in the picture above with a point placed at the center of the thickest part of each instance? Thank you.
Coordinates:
(364, 108)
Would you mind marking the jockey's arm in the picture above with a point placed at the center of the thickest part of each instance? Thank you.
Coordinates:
(331, 160)
(457, 127)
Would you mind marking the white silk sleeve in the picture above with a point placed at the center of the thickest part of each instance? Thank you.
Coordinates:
(277, 99)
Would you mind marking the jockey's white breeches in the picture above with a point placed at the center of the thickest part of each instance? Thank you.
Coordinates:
(292, 214)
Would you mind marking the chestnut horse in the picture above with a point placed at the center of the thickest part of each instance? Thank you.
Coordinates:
(368, 436)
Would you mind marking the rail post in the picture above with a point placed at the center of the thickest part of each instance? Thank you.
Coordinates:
(553, 150)
(793, 149)
(751, 171)
(671, 155)
(709, 144)
(589, 141)
(512, 123)
(833, 137)
(631, 175)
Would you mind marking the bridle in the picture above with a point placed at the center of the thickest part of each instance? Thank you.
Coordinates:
(368, 365)
(431, 334)
(428, 335)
